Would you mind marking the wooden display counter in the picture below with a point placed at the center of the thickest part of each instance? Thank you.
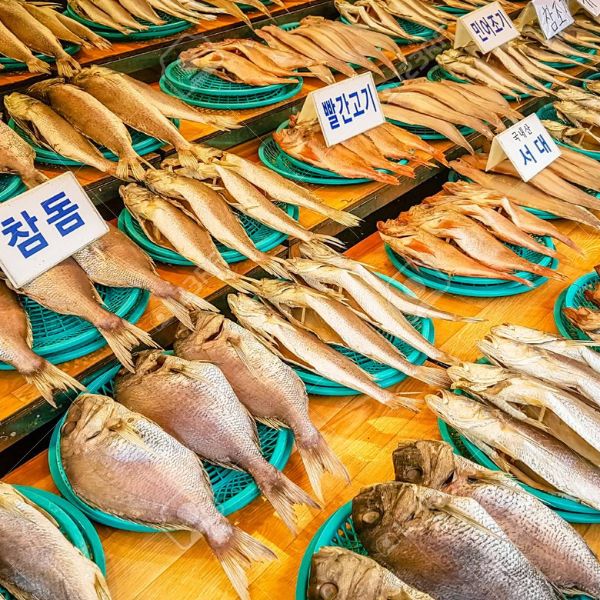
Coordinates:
(362, 432)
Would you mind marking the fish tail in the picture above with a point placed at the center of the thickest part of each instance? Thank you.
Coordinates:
(67, 66)
(321, 238)
(341, 216)
(241, 283)
(131, 165)
(282, 493)
(396, 401)
(319, 458)
(124, 338)
(35, 65)
(237, 555)
(181, 305)
(49, 379)
(187, 158)
(100, 586)
(432, 376)
(274, 266)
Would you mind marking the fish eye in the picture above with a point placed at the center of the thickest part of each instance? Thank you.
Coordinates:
(371, 517)
(414, 474)
(328, 591)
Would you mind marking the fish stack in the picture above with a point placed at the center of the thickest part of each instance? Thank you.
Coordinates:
(463, 6)
(94, 110)
(486, 538)
(585, 316)
(28, 27)
(534, 412)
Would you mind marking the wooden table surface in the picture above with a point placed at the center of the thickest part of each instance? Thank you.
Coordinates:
(362, 432)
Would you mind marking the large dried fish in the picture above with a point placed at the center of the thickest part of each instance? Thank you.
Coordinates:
(12, 47)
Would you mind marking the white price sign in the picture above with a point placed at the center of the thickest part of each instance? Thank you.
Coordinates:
(345, 109)
(592, 6)
(553, 16)
(528, 146)
(488, 26)
(45, 225)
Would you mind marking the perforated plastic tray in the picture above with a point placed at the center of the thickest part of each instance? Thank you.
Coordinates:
(10, 186)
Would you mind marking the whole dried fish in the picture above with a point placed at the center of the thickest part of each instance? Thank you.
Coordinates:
(17, 156)
(13, 47)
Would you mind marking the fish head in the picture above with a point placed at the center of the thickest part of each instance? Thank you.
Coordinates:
(249, 312)
(476, 376)
(424, 462)
(313, 270)
(458, 410)
(41, 89)
(89, 73)
(279, 292)
(19, 105)
(208, 327)
(163, 182)
(520, 333)
(500, 349)
(139, 201)
(144, 363)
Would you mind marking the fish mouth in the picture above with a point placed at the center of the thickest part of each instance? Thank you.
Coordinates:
(88, 417)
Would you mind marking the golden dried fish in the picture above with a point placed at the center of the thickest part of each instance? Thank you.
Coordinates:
(12, 47)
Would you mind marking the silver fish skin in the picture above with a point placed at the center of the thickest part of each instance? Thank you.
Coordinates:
(124, 464)
(495, 432)
(268, 387)
(409, 528)
(207, 418)
(546, 539)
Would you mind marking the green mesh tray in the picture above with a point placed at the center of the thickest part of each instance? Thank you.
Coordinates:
(384, 375)
(10, 186)
(60, 338)
(548, 113)
(143, 144)
(233, 489)
(411, 28)
(172, 26)
(479, 290)
(8, 64)
(264, 237)
(243, 101)
(425, 133)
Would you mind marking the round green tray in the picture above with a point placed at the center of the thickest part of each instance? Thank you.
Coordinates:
(411, 28)
(60, 338)
(233, 489)
(10, 186)
(438, 73)
(142, 144)
(547, 112)
(74, 526)
(8, 64)
(383, 375)
(425, 133)
(570, 510)
(476, 288)
(264, 238)
(172, 26)
(232, 102)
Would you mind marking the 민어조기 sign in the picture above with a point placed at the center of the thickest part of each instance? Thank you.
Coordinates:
(488, 26)
(528, 146)
(45, 225)
(552, 15)
(345, 109)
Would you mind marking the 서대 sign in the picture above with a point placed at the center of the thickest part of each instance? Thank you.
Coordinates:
(345, 109)
(528, 146)
(488, 26)
(45, 225)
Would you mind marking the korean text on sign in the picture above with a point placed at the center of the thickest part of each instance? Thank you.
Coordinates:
(45, 225)
(553, 16)
(529, 146)
(489, 27)
(348, 108)
(592, 6)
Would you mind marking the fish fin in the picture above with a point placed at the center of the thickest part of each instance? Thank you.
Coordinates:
(321, 238)
(401, 400)
(67, 66)
(319, 458)
(344, 218)
(49, 379)
(271, 422)
(236, 555)
(235, 343)
(35, 65)
(128, 431)
(124, 339)
(187, 158)
(100, 586)
(419, 246)
(454, 511)
(274, 266)
(130, 166)
(180, 307)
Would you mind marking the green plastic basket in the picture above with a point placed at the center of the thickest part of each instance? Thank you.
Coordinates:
(248, 8)
(571, 510)
(74, 526)
(60, 338)
(383, 375)
(143, 144)
(8, 64)
(10, 186)
(232, 102)
(425, 133)
(548, 112)
(233, 489)
(172, 26)
(263, 237)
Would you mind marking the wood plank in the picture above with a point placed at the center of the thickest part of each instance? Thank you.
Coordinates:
(362, 432)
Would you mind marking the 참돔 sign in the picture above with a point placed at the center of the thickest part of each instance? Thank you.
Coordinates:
(528, 146)
(345, 109)
(488, 26)
(552, 15)
(592, 6)
(45, 225)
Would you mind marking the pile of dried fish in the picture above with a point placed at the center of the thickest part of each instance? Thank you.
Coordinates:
(27, 27)
(382, 16)
(128, 17)
(584, 318)
(37, 560)
(316, 46)
(491, 539)
(559, 189)
(469, 5)
(443, 105)
(534, 412)
(95, 108)
(371, 155)
(462, 234)
(124, 464)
